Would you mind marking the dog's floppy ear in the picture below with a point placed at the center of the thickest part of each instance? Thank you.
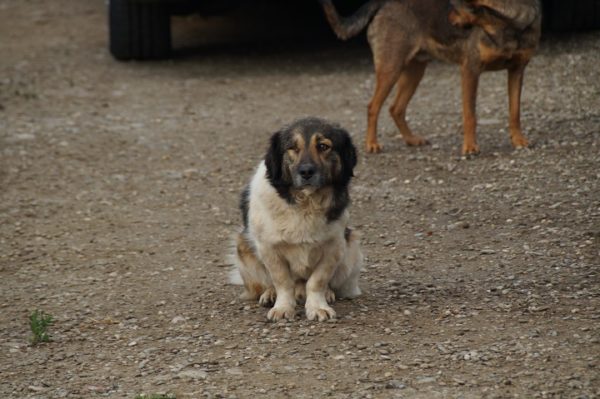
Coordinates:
(274, 158)
(348, 154)
(274, 164)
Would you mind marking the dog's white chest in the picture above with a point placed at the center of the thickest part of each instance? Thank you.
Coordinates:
(274, 221)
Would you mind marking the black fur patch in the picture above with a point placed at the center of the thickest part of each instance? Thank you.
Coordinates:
(341, 200)
(244, 204)
(347, 234)
(274, 164)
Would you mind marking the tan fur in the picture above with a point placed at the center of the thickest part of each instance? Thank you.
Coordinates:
(293, 253)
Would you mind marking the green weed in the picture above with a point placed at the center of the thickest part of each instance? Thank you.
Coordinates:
(39, 322)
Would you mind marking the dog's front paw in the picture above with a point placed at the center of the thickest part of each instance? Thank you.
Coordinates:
(281, 312)
(268, 297)
(320, 313)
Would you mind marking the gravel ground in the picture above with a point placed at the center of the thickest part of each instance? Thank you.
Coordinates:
(119, 187)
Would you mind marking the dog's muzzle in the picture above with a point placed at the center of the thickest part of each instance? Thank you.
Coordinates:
(307, 174)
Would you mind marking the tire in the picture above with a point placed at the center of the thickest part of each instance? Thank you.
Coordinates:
(139, 29)
(563, 15)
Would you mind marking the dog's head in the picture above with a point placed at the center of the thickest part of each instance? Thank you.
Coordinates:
(494, 16)
(309, 155)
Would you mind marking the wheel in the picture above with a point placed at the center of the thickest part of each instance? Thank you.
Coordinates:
(139, 29)
(561, 15)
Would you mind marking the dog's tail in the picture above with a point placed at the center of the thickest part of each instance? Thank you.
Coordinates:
(347, 27)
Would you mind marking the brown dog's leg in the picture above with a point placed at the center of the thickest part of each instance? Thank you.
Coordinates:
(515, 83)
(470, 80)
(386, 76)
(407, 85)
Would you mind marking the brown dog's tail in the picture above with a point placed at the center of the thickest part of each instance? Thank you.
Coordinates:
(347, 27)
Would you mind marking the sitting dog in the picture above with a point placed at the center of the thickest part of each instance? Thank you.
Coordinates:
(296, 244)
(479, 35)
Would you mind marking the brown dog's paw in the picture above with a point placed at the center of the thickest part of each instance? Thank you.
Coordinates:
(519, 142)
(281, 312)
(374, 147)
(470, 150)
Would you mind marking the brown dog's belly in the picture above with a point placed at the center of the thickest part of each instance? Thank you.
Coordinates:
(452, 53)
(494, 58)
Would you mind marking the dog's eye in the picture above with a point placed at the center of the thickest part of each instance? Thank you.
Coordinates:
(322, 147)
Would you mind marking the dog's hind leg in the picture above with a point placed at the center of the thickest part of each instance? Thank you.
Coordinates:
(393, 49)
(345, 280)
(300, 291)
(254, 275)
(268, 297)
(388, 66)
(515, 83)
(385, 82)
(470, 81)
(407, 86)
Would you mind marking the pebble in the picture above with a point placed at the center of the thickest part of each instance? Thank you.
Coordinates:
(193, 374)
(395, 384)
(426, 380)
(234, 371)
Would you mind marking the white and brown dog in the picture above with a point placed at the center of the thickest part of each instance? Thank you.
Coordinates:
(296, 244)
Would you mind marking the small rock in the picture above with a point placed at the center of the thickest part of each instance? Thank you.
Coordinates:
(98, 389)
(426, 380)
(395, 384)
(234, 371)
(22, 137)
(190, 173)
(173, 175)
(193, 374)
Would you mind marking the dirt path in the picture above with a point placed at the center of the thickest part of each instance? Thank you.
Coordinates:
(118, 197)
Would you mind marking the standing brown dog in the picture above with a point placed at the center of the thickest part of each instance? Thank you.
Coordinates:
(479, 35)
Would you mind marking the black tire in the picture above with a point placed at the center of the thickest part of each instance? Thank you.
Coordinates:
(139, 29)
(562, 15)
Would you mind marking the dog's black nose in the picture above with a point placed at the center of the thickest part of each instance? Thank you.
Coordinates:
(307, 171)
